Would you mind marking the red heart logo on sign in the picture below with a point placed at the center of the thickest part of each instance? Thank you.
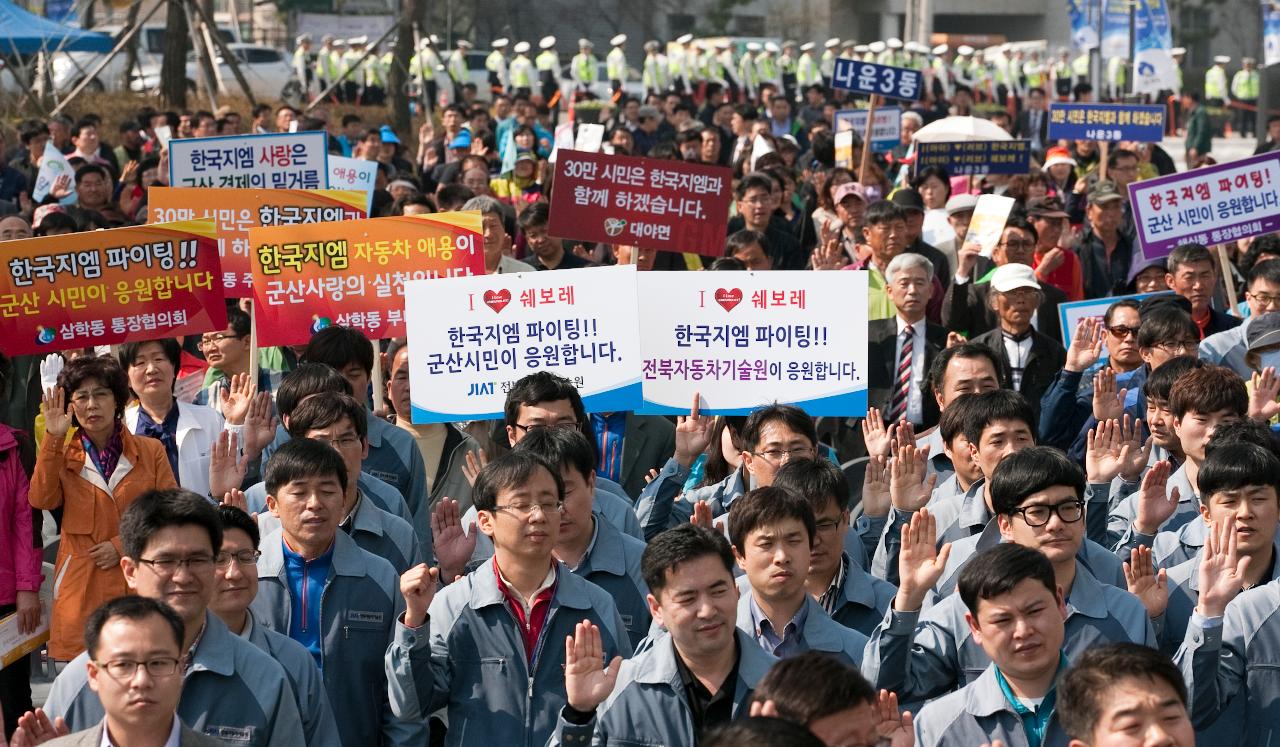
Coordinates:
(497, 300)
(728, 298)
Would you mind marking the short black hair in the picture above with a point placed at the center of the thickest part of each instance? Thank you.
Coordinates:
(754, 180)
(1268, 243)
(31, 129)
(1165, 323)
(1244, 430)
(789, 415)
(1235, 466)
(1124, 303)
(938, 371)
(305, 380)
(323, 409)
(1029, 471)
(743, 239)
(159, 509)
(1159, 383)
(563, 447)
(92, 168)
(105, 369)
(760, 731)
(1086, 686)
(813, 685)
(339, 347)
(1114, 157)
(299, 458)
(1022, 224)
(1209, 389)
(535, 215)
(1185, 254)
(764, 506)
(815, 480)
(995, 405)
(680, 544)
(727, 264)
(131, 607)
(128, 351)
(508, 471)
(951, 422)
(882, 211)
(238, 319)
(542, 386)
(998, 570)
(1267, 269)
(234, 518)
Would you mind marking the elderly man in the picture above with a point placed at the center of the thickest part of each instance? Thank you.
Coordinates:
(1030, 358)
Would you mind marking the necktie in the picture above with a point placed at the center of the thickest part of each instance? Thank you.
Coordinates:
(902, 380)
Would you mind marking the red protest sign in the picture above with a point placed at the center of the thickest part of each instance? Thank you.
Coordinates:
(658, 204)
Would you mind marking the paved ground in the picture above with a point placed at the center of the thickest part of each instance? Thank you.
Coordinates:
(1224, 149)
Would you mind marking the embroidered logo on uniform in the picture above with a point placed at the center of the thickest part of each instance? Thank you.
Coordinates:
(230, 733)
(364, 617)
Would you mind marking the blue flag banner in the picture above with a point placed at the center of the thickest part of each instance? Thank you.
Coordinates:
(1110, 122)
(1084, 36)
(885, 80)
(1153, 40)
(977, 157)
(1115, 28)
(1270, 33)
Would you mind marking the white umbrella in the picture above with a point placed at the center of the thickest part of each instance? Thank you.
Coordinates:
(960, 129)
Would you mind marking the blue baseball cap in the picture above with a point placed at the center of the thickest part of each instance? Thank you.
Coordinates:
(388, 135)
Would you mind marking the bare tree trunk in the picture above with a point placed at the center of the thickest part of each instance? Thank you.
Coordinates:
(130, 50)
(173, 70)
(398, 76)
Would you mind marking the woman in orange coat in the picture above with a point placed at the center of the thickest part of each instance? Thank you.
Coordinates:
(94, 475)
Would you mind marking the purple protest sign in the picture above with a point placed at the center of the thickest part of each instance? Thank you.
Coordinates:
(1211, 205)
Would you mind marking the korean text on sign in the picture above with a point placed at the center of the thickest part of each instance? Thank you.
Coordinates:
(1110, 122)
(658, 204)
(471, 339)
(283, 160)
(869, 78)
(1210, 205)
(744, 339)
(886, 127)
(109, 287)
(979, 157)
(236, 210)
(354, 273)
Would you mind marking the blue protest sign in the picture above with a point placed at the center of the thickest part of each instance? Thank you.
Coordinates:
(886, 127)
(1110, 122)
(870, 78)
(980, 157)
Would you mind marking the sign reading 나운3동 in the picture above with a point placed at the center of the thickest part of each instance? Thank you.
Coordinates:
(658, 204)
(871, 78)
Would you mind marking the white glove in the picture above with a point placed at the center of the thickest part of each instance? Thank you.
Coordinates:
(50, 367)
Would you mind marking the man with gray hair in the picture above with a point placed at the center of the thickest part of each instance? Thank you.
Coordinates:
(497, 236)
(902, 347)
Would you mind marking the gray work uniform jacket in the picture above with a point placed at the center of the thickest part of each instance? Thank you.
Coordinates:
(979, 713)
(318, 723)
(375, 531)
(820, 633)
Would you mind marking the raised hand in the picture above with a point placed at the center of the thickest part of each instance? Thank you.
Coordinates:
(34, 727)
(767, 709)
(909, 488)
(1262, 397)
(693, 434)
(920, 563)
(236, 398)
(1086, 344)
(62, 187)
(1135, 460)
(955, 338)
(236, 499)
(829, 255)
(701, 516)
(1108, 404)
(890, 724)
(53, 406)
(259, 425)
(875, 488)
(452, 545)
(878, 438)
(1106, 451)
(587, 682)
(1155, 502)
(50, 367)
(1144, 582)
(227, 467)
(475, 461)
(418, 586)
(1050, 261)
(1222, 568)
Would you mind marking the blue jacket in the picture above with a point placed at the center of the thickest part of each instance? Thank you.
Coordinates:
(612, 562)
(313, 702)
(821, 633)
(863, 599)
(233, 692)
(649, 705)
(470, 659)
(1120, 520)
(375, 531)
(358, 609)
(979, 713)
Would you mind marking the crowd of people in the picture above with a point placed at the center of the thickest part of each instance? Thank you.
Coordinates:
(1022, 541)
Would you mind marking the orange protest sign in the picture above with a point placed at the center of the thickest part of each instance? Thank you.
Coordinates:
(237, 210)
(109, 287)
(308, 277)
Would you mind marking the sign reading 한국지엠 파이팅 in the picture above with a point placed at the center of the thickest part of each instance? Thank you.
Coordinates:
(1209, 205)
(964, 158)
(872, 78)
(236, 210)
(653, 203)
(1109, 122)
(746, 339)
(471, 339)
(109, 287)
(280, 160)
(353, 273)
(886, 126)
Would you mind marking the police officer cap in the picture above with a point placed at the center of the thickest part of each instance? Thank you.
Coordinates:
(753, 46)
(434, 39)
(500, 43)
(861, 49)
(964, 50)
(831, 43)
(547, 42)
(770, 47)
(1222, 59)
(940, 49)
(893, 43)
(618, 40)
(650, 46)
(339, 43)
(876, 46)
(684, 38)
(358, 41)
(303, 38)
(807, 47)
(521, 47)
(585, 43)
(464, 44)
(1176, 51)
(327, 38)
(788, 43)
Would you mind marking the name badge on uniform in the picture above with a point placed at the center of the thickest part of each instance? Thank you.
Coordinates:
(364, 617)
(626, 621)
(230, 733)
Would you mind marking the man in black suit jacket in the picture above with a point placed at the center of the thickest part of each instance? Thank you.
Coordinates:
(908, 281)
(1033, 123)
(1030, 359)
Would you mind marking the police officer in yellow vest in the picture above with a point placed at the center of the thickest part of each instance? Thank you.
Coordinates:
(423, 68)
(807, 72)
(496, 64)
(654, 73)
(616, 65)
(375, 80)
(1244, 91)
(787, 67)
(1061, 75)
(548, 64)
(521, 70)
(350, 67)
(1215, 82)
(827, 64)
(584, 70)
(304, 65)
(457, 69)
(326, 66)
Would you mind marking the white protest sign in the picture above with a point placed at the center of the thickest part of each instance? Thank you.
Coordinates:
(745, 339)
(886, 126)
(987, 224)
(282, 160)
(471, 338)
(52, 166)
(844, 149)
(353, 173)
(590, 136)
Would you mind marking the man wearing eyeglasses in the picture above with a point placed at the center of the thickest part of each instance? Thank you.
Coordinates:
(135, 667)
(230, 688)
(228, 354)
(319, 587)
(489, 647)
(1262, 294)
(1038, 497)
